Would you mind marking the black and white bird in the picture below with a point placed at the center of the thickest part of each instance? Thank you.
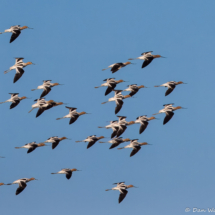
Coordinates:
(110, 84)
(116, 141)
(122, 188)
(147, 57)
(46, 87)
(118, 98)
(67, 171)
(91, 140)
(19, 65)
(22, 184)
(117, 66)
(15, 30)
(135, 145)
(143, 120)
(73, 115)
(55, 140)
(15, 100)
(31, 146)
(170, 85)
(133, 88)
(168, 110)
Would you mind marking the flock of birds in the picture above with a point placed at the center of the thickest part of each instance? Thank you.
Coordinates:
(118, 126)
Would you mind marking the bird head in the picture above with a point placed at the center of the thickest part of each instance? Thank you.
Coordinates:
(63, 138)
(127, 63)
(1, 184)
(130, 123)
(126, 140)
(55, 84)
(29, 63)
(141, 86)
(144, 143)
(127, 96)
(119, 81)
(41, 144)
(82, 113)
(102, 137)
(151, 118)
(32, 179)
(73, 170)
(23, 97)
(130, 186)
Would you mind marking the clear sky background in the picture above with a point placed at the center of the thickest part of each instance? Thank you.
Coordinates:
(72, 41)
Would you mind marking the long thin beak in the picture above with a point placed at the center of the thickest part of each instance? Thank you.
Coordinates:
(78, 170)
(30, 28)
(183, 108)
(28, 98)
(133, 63)
(163, 57)
(135, 187)
(33, 63)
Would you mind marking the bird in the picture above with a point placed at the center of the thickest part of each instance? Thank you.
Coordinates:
(118, 97)
(31, 146)
(48, 105)
(135, 145)
(122, 189)
(116, 141)
(170, 85)
(66, 171)
(134, 89)
(22, 184)
(73, 115)
(143, 120)
(46, 86)
(15, 99)
(119, 126)
(147, 57)
(15, 30)
(55, 140)
(110, 84)
(168, 110)
(38, 103)
(18, 66)
(91, 139)
(117, 66)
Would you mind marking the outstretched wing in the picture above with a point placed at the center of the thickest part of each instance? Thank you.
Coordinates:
(73, 119)
(147, 61)
(45, 91)
(135, 150)
(121, 130)
(111, 87)
(116, 67)
(172, 87)
(133, 92)
(22, 186)
(55, 143)
(69, 174)
(119, 104)
(115, 130)
(18, 75)
(15, 34)
(122, 195)
(40, 111)
(91, 143)
(32, 149)
(169, 115)
(143, 126)
(14, 104)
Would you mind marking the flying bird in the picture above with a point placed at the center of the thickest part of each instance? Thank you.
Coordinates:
(118, 98)
(38, 103)
(66, 171)
(119, 126)
(135, 145)
(168, 110)
(116, 142)
(133, 88)
(46, 86)
(73, 115)
(122, 189)
(91, 140)
(55, 140)
(15, 100)
(31, 146)
(147, 57)
(110, 84)
(15, 30)
(117, 66)
(48, 105)
(143, 120)
(170, 85)
(19, 65)
(22, 184)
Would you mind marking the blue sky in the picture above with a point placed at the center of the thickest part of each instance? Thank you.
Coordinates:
(71, 43)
